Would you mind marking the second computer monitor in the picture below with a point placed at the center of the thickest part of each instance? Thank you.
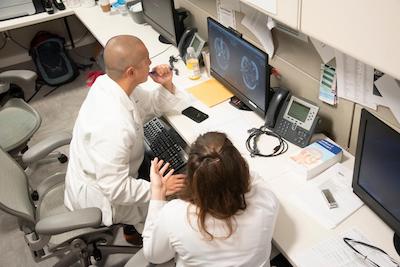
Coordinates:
(240, 66)
(163, 17)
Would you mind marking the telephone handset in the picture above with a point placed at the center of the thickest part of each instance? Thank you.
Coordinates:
(274, 106)
(191, 38)
(296, 119)
(184, 41)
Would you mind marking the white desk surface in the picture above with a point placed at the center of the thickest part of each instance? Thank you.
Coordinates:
(295, 231)
(34, 19)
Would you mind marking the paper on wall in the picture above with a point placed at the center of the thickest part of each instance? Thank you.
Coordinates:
(261, 25)
(354, 80)
(327, 85)
(390, 91)
(376, 95)
(326, 52)
(226, 16)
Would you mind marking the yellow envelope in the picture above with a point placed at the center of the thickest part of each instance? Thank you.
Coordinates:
(210, 92)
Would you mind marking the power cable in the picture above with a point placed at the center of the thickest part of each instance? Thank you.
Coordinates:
(255, 133)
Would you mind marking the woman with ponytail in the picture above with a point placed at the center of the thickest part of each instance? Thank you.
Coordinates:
(224, 217)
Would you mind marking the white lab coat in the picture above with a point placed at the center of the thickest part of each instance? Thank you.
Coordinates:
(107, 149)
(168, 233)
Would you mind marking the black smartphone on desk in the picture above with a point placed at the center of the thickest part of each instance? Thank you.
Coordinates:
(194, 114)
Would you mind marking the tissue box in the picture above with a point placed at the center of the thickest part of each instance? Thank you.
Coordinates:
(315, 158)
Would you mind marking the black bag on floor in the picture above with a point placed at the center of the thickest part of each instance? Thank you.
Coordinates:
(52, 62)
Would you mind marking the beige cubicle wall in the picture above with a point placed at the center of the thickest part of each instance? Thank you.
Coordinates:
(298, 63)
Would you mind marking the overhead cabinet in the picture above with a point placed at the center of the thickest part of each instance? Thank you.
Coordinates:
(368, 30)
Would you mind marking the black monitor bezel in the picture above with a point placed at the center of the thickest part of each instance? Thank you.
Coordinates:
(178, 30)
(373, 204)
(258, 110)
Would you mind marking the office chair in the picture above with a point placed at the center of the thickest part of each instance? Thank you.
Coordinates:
(50, 229)
(19, 121)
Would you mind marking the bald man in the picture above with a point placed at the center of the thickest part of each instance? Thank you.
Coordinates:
(107, 147)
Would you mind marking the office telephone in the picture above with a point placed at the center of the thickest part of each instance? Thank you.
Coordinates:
(291, 117)
(190, 38)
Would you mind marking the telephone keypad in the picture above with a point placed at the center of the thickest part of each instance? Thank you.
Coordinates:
(292, 132)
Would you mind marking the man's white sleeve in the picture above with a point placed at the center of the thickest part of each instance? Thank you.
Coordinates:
(111, 157)
(159, 101)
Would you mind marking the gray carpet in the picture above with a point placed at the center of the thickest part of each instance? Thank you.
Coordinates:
(58, 111)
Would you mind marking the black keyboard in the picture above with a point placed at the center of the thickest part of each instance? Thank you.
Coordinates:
(165, 143)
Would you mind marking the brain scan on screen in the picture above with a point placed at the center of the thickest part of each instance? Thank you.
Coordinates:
(250, 73)
(222, 52)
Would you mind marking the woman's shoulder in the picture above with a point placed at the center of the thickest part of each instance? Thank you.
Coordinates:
(176, 205)
(260, 190)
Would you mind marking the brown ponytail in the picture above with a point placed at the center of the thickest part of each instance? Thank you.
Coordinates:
(218, 178)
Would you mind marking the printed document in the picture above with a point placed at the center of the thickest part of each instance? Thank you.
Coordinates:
(390, 91)
(354, 80)
(226, 16)
(261, 25)
(334, 252)
(326, 52)
(338, 180)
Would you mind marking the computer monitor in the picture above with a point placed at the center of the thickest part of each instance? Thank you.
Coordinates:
(239, 65)
(165, 19)
(376, 178)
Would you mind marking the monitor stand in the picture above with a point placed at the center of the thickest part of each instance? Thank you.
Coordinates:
(396, 242)
(237, 103)
(163, 40)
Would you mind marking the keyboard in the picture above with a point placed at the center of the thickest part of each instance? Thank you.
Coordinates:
(163, 142)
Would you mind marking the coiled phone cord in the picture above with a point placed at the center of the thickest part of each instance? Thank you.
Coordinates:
(255, 133)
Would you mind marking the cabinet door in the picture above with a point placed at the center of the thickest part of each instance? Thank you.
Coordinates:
(368, 30)
(285, 11)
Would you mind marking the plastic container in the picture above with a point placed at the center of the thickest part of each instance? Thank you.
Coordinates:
(105, 5)
(192, 64)
(120, 6)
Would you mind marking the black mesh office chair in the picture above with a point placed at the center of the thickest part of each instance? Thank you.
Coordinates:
(50, 229)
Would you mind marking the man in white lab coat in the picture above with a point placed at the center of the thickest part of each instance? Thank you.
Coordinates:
(107, 147)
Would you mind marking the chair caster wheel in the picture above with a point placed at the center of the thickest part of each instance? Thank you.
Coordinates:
(35, 195)
(24, 149)
(62, 158)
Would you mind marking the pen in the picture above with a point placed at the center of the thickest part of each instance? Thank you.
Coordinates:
(154, 72)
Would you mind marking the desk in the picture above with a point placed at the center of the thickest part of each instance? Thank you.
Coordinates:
(34, 19)
(295, 231)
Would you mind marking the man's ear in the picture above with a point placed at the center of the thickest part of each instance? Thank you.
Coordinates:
(131, 72)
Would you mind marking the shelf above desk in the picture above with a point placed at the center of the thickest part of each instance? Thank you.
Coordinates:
(33, 19)
(103, 26)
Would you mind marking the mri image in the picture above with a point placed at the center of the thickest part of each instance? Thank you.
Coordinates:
(222, 53)
(238, 65)
(250, 73)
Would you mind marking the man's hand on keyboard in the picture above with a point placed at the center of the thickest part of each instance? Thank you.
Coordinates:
(164, 184)
(175, 184)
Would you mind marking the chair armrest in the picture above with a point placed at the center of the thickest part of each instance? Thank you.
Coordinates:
(44, 147)
(65, 222)
(23, 78)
